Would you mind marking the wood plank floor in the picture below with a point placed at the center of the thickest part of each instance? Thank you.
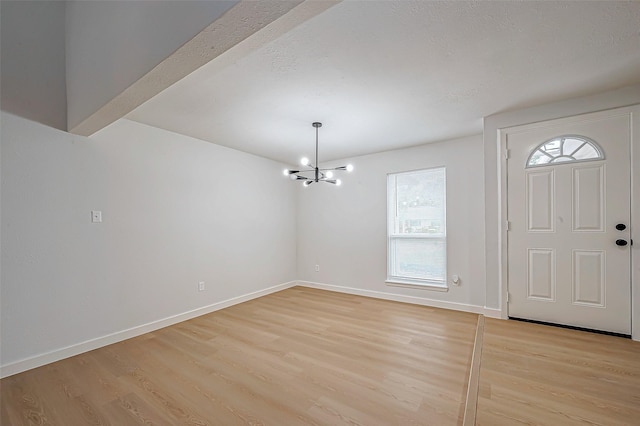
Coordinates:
(299, 356)
(305, 356)
(532, 374)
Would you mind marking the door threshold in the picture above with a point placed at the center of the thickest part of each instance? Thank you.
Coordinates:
(573, 327)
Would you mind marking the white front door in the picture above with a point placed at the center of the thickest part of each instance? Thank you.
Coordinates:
(569, 201)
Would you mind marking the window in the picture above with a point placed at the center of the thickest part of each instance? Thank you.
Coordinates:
(417, 244)
(565, 149)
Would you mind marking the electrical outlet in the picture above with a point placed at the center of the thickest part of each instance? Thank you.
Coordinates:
(96, 216)
(201, 286)
(317, 268)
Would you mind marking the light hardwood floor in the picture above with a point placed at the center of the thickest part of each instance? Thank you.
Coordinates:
(532, 374)
(305, 356)
(299, 356)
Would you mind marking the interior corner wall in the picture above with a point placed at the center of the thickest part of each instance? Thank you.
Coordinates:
(175, 210)
(32, 61)
(112, 44)
(343, 229)
(625, 96)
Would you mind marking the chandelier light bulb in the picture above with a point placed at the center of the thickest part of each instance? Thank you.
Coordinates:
(293, 177)
(329, 174)
(306, 183)
(349, 167)
(285, 172)
(304, 161)
(338, 182)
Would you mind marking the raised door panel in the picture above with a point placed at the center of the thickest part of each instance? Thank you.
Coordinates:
(588, 193)
(589, 282)
(540, 201)
(541, 277)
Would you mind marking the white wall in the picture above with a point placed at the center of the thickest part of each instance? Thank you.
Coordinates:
(176, 211)
(494, 184)
(343, 229)
(32, 48)
(111, 44)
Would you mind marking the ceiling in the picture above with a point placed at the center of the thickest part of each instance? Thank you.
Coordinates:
(382, 75)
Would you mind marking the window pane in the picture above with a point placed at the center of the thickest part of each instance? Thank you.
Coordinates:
(420, 202)
(539, 157)
(418, 258)
(571, 145)
(552, 147)
(586, 152)
(565, 149)
(561, 159)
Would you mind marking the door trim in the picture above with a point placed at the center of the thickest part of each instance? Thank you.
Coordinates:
(633, 112)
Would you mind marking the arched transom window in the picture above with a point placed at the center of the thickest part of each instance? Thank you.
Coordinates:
(565, 149)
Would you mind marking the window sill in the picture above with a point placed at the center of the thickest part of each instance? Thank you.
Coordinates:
(423, 286)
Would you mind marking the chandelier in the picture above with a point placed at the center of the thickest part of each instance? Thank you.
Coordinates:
(318, 174)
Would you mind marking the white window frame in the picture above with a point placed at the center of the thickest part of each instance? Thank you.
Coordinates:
(392, 204)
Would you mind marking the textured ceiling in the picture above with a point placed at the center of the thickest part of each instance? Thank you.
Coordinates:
(385, 75)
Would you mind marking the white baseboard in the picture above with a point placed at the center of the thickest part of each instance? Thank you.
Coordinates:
(89, 345)
(493, 313)
(401, 298)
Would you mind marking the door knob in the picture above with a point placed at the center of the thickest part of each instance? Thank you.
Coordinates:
(621, 243)
(621, 227)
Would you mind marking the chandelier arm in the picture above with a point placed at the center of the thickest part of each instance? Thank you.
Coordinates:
(310, 168)
(301, 177)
